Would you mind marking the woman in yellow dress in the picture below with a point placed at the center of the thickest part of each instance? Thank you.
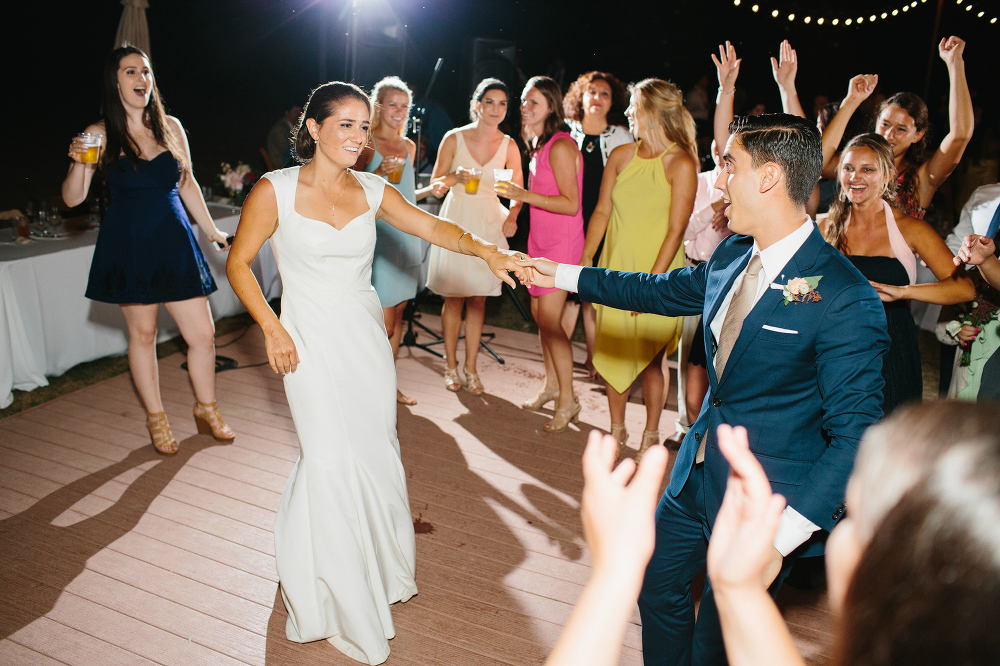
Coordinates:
(647, 195)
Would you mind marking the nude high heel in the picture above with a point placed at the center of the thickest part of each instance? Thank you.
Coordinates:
(159, 432)
(562, 418)
(619, 432)
(544, 397)
(210, 422)
(649, 438)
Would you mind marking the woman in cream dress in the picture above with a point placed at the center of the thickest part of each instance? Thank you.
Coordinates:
(480, 145)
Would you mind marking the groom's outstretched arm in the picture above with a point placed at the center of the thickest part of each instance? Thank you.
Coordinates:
(676, 293)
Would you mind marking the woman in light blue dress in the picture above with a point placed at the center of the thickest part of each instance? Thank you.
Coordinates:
(398, 255)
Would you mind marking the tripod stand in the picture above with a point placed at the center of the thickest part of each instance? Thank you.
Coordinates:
(411, 315)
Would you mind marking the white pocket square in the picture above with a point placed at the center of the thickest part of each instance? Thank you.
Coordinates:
(779, 330)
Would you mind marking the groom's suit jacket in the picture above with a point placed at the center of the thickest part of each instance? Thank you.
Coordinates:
(803, 378)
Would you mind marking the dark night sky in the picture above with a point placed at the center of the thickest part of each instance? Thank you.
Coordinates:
(226, 68)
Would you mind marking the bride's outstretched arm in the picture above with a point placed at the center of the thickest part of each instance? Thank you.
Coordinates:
(258, 220)
(403, 215)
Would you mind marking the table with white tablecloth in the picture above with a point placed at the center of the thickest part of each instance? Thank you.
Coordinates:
(47, 325)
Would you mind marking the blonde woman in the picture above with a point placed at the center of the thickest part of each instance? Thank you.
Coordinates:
(881, 242)
(647, 195)
(396, 265)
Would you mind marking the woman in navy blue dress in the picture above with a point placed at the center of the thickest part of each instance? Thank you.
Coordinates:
(146, 251)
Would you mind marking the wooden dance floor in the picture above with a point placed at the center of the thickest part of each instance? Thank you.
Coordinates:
(112, 554)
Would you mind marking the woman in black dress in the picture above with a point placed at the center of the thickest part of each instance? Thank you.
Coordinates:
(881, 242)
(146, 251)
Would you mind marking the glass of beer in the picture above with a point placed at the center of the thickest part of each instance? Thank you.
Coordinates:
(394, 169)
(472, 186)
(91, 147)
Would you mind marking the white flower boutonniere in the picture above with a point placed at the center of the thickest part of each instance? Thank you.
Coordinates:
(801, 290)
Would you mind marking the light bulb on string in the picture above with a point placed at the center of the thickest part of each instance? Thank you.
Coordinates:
(847, 22)
(755, 8)
(819, 21)
(791, 17)
(807, 19)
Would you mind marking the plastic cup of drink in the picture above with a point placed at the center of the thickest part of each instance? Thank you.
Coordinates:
(503, 175)
(472, 186)
(91, 147)
(394, 169)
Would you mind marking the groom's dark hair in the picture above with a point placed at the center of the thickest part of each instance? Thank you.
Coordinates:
(791, 142)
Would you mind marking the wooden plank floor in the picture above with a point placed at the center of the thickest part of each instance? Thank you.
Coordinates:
(111, 554)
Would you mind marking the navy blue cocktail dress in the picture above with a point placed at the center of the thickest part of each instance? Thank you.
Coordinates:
(146, 250)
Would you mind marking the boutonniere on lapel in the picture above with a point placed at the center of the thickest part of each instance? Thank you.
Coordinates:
(800, 290)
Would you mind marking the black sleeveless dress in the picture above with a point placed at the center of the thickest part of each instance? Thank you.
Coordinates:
(146, 251)
(901, 364)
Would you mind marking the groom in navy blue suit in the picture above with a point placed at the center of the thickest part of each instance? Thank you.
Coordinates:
(796, 337)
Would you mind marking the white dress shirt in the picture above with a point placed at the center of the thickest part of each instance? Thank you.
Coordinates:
(794, 529)
(976, 215)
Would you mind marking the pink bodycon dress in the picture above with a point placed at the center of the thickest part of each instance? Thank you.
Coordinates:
(554, 236)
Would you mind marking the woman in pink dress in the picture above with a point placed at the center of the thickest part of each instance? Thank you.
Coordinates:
(556, 233)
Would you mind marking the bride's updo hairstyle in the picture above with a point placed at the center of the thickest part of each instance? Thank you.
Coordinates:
(323, 103)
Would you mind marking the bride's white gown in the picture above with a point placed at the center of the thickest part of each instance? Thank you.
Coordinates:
(343, 533)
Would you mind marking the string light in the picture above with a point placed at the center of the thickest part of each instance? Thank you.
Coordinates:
(969, 5)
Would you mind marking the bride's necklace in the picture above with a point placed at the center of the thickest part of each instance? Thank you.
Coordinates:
(333, 204)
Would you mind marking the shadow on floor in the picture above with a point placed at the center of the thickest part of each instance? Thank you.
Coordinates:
(38, 559)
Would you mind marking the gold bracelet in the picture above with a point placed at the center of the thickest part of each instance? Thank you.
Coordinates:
(546, 208)
(459, 244)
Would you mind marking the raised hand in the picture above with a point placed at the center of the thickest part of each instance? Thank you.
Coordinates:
(784, 70)
(618, 515)
(860, 88)
(975, 250)
(951, 49)
(741, 551)
(728, 67)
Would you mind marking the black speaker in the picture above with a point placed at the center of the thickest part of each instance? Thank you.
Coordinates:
(494, 58)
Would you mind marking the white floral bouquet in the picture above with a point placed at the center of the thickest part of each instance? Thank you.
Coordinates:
(237, 180)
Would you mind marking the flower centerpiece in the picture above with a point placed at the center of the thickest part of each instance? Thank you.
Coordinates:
(237, 180)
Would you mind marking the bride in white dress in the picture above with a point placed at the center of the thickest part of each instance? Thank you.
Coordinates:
(343, 533)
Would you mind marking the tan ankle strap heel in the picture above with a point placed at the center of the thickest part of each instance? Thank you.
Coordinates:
(159, 432)
(210, 422)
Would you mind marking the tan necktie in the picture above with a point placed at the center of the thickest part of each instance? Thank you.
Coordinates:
(739, 308)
